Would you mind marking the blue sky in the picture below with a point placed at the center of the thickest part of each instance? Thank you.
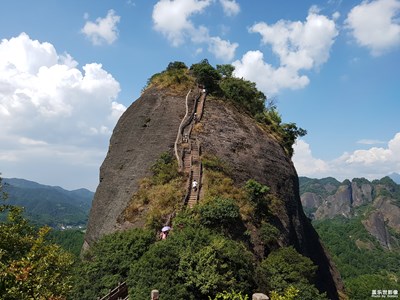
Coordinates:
(68, 70)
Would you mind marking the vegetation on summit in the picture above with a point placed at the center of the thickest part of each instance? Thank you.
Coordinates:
(221, 83)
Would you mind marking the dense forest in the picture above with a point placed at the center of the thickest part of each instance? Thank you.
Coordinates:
(362, 262)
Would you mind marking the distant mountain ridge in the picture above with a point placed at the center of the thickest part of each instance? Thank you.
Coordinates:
(49, 205)
(376, 203)
(395, 177)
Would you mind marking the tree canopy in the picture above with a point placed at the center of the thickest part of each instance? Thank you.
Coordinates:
(30, 266)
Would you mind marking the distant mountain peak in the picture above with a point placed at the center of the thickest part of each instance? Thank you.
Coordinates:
(395, 177)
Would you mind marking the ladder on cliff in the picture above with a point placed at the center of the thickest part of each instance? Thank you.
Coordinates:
(190, 160)
(195, 175)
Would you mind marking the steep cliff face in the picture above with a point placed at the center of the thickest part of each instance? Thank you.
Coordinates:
(146, 129)
(337, 204)
(150, 126)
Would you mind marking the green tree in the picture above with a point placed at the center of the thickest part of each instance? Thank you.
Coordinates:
(361, 287)
(232, 295)
(291, 133)
(220, 265)
(108, 262)
(206, 75)
(176, 65)
(30, 266)
(164, 169)
(269, 234)
(290, 293)
(226, 71)
(70, 240)
(257, 194)
(256, 190)
(244, 93)
(219, 212)
(193, 263)
(286, 267)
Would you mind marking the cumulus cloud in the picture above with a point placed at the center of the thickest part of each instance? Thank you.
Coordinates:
(222, 49)
(268, 79)
(103, 30)
(372, 163)
(51, 111)
(376, 25)
(230, 7)
(298, 45)
(172, 18)
(306, 164)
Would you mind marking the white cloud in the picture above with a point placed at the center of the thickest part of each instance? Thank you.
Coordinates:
(50, 108)
(104, 30)
(268, 79)
(370, 142)
(373, 163)
(30, 142)
(172, 19)
(376, 25)
(336, 15)
(306, 164)
(222, 49)
(230, 7)
(298, 45)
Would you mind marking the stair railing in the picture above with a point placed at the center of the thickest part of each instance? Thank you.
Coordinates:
(180, 130)
(119, 292)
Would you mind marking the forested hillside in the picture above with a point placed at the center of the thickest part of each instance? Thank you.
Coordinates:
(49, 205)
(358, 222)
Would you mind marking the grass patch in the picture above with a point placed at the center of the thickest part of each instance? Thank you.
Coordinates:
(158, 196)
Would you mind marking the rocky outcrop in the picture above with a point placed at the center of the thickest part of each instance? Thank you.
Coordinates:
(149, 127)
(337, 204)
(380, 221)
(311, 200)
(375, 224)
(361, 193)
(389, 210)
